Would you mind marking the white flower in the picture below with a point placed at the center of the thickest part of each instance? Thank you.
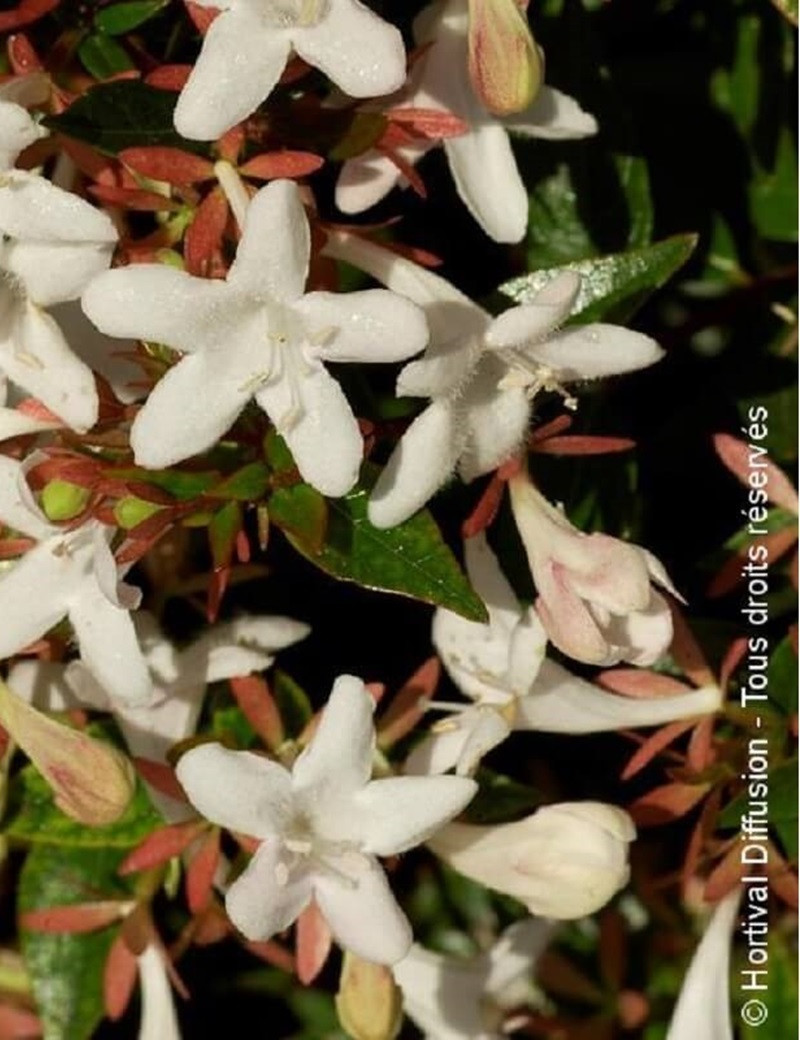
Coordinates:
(255, 335)
(179, 679)
(321, 827)
(452, 999)
(53, 243)
(704, 1005)
(248, 44)
(481, 374)
(565, 861)
(481, 160)
(70, 574)
(501, 666)
(159, 1021)
(595, 597)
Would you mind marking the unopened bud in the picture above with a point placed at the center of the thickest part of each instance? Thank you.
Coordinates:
(131, 511)
(369, 1002)
(62, 500)
(505, 65)
(92, 782)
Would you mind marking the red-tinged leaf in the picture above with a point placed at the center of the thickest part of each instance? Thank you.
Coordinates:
(272, 953)
(686, 651)
(223, 532)
(415, 182)
(201, 16)
(229, 146)
(667, 803)
(202, 243)
(168, 164)
(11, 547)
(133, 549)
(210, 926)
(313, 943)
(376, 690)
(119, 978)
(282, 164)
(429, 122)
(419, 256)
(655, 744)
(725, 876)
(218, 582)
(161, 846)
(408, 705)
(482, 516)
(782, 878)
(259, 708)
(21, 55)
(18, 1024)
(36, 410)
(731, 661)
(153, 527)
(396, 136)
(243, 553)
(90, 162)
(700, 752)
(641, 684)
(552, 429)
(633, 1009)
(26, 12)
(730, 573)
(169, 77)
(743, 459)
(577, 444)
(74, 469)
(74, 920)
(201, 872)
(133, 199)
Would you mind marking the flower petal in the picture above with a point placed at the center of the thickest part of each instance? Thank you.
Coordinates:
(423, 460)
(159, 1020)
(273, 254)
(364, 181)
(14, 509)
(17, 130)
(363, 916)
(237, 648)
(371, 325)
(533, 321)
(34, 210)
(643, 635)
(264, 899)
(441, 995)
(553, 116)
(568, 623)
(237, 68)
(360, 52)
(497, 421)
(108, 357)
(26, 613)
(487, 180)
(238, 790)
(595, 351)
(53, 272)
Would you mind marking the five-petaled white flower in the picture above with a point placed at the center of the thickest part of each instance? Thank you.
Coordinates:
(179, 677)
(248, 44)
(501, 666)
(322, 826)
(53, 244)
(481, 374)
(454, 999)
(481, 160)
(255, 335)
(70, 574)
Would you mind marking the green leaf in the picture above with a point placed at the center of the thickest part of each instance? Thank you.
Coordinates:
(125, 114)
(247, 484)
(773, 193)
(500, 799)
(104, 57)
(66, 969)
(33, 816)
(783, 805)
(223, 531)
(411, 559)
(780, 996)
(184, 486)
(612, 287)
(121, 18)
(783, 677)
(293, 703)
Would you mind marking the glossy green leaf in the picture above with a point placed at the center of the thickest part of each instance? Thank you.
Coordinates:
(121, 18)
(247, 484)
(222, 533)
(612, 287)
(411, 559)
(103, 57)
(783, 677)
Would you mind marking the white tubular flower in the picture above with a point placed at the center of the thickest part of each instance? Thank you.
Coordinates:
(501, 666)
(321, 827)
(53, 244)
(452, 999)
(481, 374)
(159, 1020)
(565, 861)
(481, 160)
(704, 1004)
(248, 44)
(596, 600)
(255, 335)
(70, 574)
(179, 678)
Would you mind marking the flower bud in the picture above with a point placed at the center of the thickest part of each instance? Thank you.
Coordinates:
(505, 65)
(92, 782)
(62, 500)
(131, 511)
(369, 1002)
(565, 861)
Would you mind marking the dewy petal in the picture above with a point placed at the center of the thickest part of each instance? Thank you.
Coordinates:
(644, 635)
(360, 52)
(36, 357)
(704, 1004)
(53, 272)
(273, 254)
(106, 356)
(595, 351)
(361, 911)
(553, 116)
(487, 180)
(533, 321)
(423, 460)
(269, 895)
(238, 790)
(183, 312)
(14, 510)
(34, 210)
(562, 703)
(371, 325)
(497, 421)
(395, 814)
(312, 414)
(441, 750)
(364, 181)
(27, 612)
(567, 621)
(339, 756)
(158, 1021)
(237, 648)
(239, 64)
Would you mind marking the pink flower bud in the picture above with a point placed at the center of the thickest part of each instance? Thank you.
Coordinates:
(505, 65)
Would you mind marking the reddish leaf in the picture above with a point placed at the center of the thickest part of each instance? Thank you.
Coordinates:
(408, 705)
(640, 683)
(84, 917)
(730, 573)
(169, 77)
(633, 1009)
(133, 199)
(282, 164)
(273, 953)
(725, 876)
(168, 164)
(700, 752)
(737, 457)
(551, 429)
(202, 243)
(429, 122)
(313, 943)
(482, 516)
(655, 744)
(686, 651)
(26, 12)
(201, 16)
(578, 444)
(731, 661)
(119, 978)
(407, 169)
(782, 878)
(18, 1024)
(21, 55)
(259, 708)
(217, 584)
(201, 872)
(667, 803)
(161, 846)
